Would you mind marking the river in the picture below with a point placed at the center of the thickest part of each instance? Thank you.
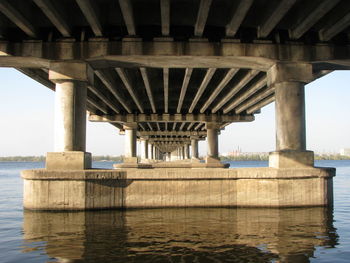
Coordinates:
(174, 235)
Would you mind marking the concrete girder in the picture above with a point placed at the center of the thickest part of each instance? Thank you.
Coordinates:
(148, 88)
(237, 17)
(17, 18)
(174, 126)
(185, 83)
(249, 92)
(150, 126)
(166, 89)
(171, 118)
(235, 89)
(198, 126)
(127, 83)
(142, 127)
(88, 8)
(261, 104)
(254, 100)
(128, 15)
(311, 19)
(273, 19)
(329, 32)
(209, 74)
(54, 16)
(106, 54)
(110, 85)
(165, 16)
(190, 126)
(104, 98)
(182, 126)
(229, 75)
(171, 133)
(203, 11)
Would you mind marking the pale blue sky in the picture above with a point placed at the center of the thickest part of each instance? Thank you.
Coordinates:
(26, 115)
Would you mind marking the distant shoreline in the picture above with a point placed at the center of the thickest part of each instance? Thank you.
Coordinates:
(107, 158)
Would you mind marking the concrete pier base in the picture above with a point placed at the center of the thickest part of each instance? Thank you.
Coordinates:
(71, 160)
(290, 159)
(170, 187)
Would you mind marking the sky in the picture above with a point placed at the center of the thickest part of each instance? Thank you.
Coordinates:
(27, 124)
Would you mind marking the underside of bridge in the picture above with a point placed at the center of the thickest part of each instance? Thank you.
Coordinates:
(172, 72)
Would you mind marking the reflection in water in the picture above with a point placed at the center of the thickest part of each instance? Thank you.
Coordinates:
(180, 235)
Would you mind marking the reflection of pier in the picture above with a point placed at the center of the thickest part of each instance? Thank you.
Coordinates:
(288, 235)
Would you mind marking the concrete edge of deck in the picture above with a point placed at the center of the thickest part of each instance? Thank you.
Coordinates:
(170, 187)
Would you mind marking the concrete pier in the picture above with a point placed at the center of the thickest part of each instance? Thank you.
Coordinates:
(174, 187)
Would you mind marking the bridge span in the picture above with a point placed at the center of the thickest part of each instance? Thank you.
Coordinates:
(170, 73)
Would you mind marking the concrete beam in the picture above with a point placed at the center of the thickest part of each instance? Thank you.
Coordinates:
(174, 126)
(256, 99)
(208, 75)
(128, 15)
(148, 88)
(229, 75)
(171, 133)
(249, 92)
(166, 89)
(185, 82)
(110, 85)
(203, 11)
(54, 16)
(17, 18)
(39, 75)
(182, 126)
(240, 85)
(104, 98)
(149, 126)
(127, 83)
(331, 31)
(190, 126)
(198, 126)
(261, 104)
(142, 127)
(88, 8)
(237, 17)
(171, 118)
(165, 16)
(312, 18)
(185, 140)
(273, 19)
(106, 54)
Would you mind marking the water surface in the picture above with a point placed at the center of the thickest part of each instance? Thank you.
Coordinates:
(174, 235)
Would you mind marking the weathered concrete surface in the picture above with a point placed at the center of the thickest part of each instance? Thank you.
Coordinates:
(72, 160)
(143, 188)
(289, 159)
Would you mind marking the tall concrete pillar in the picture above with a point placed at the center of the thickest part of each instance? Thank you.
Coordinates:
(212, 142)
(194, 147)
(71, 81)
(288, 80)
(130, 153)
(186, 151)
(150, 151)
(144, 148)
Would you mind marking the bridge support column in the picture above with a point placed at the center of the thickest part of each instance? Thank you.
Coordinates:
(187, 151)
(130, 143)
(194, 147)
(288, 81)
(144, 148)
(213, 143)
(70, 117)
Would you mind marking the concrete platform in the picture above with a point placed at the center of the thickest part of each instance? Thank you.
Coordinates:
(172, 187)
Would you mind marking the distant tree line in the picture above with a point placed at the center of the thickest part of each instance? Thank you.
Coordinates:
(265, 157)
(43, 158)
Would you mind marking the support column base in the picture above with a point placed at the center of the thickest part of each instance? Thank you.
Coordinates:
(132, 160)
(290, 159)
(72, 160)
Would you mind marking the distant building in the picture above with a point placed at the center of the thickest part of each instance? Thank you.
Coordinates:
(345, 152)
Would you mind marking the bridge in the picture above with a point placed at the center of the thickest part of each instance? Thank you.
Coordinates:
(170, 73)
